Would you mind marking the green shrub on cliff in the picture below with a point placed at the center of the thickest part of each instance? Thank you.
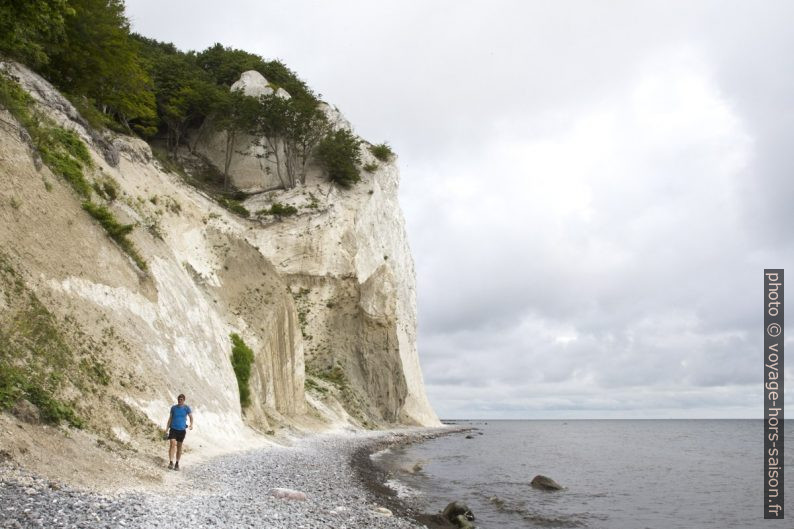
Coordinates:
(242, 358)
(382, 152)
(279, 210)
(234, 206)
(338, 154)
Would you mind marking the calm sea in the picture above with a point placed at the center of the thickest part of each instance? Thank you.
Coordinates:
(618, 474)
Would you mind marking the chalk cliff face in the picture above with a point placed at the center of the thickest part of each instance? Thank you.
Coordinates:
(325, 298)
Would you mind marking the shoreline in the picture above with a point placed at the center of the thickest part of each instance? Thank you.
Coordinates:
(373, 477)
(341, 484)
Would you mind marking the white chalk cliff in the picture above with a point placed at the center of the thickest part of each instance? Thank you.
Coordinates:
(325, 298)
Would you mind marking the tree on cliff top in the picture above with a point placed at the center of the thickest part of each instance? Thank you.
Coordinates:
(290, 129)
(185, 96)
(30, 31)
(237, 113)
(225, 65)
(100, 60)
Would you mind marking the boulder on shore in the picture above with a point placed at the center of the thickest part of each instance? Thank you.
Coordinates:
(545, 483)
(288, 494)
(459, 514)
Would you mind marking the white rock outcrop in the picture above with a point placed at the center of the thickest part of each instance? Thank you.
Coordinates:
(254, 84)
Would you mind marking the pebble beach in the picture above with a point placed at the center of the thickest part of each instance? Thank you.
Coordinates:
(328, 479)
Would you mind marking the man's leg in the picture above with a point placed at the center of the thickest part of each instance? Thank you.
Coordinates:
(172, 449)
(178, 451)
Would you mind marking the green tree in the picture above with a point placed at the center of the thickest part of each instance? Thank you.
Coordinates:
(185, 95)
(225, 65)
(237, 113)
(269, 129)
(100, 60)
(289, 130)
(30, 31)
(306, 126)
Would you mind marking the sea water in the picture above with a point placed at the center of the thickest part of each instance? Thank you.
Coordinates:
(617, 474)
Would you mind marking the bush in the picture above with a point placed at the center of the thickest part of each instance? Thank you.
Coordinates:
(338, 153)
(382, 152)
(371, 167)
(280, 210)
(242, 358)
(234, 206)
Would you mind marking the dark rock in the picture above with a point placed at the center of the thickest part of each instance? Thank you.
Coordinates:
(545, 483)
(469, 437)
(458, 512)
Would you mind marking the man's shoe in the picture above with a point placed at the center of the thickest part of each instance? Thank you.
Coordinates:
(176, 466)
(170, 465)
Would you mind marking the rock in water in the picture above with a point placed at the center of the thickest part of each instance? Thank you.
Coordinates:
(545, 483)
(459, 514)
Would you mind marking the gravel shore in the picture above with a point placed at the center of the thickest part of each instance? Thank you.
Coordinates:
(230, 491)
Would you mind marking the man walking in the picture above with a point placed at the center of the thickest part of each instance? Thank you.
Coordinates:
(177, 428)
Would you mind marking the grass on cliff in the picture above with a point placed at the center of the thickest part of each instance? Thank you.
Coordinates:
(37, 360)
(62, 150)
(116, 230)
(55, 365)
(67, 156)
(242, 358)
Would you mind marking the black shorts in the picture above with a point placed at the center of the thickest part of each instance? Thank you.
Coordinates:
(178, 435)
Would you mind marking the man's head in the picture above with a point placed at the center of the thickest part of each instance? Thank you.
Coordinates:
(181, 398)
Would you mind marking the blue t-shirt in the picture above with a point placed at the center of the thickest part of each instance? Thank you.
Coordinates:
(179, 416)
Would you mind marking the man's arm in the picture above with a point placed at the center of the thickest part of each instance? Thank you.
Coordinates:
(191, 419)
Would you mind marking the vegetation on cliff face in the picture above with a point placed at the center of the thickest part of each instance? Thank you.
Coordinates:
(339, 154)
(52, 371)
(67, 156)
(242, 358)
(37, 360)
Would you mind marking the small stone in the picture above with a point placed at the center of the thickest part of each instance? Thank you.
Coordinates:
(383, 511)
(288, 494)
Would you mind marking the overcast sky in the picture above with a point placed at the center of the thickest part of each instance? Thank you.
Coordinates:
(592, 189)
